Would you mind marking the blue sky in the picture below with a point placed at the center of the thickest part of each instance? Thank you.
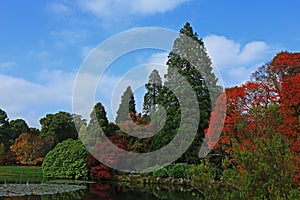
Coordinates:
(43, 43)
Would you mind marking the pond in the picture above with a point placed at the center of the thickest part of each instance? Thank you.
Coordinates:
(108, 190)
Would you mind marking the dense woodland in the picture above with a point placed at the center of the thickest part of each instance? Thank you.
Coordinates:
(256, 155)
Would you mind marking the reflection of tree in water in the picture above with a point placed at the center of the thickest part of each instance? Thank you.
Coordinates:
(65, 196)
(23, 198)
(100, 191)
(112, 191)
(76, 195)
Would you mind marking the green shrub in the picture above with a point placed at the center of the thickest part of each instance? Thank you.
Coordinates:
(162, 173)
(66, 160)
(179, 170)
(266, 170)
(202, 174)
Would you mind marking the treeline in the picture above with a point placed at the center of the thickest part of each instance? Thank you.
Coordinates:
(21, 144)
(158, 99)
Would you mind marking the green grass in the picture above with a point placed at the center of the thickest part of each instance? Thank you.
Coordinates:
(20, 171)
(20, 174)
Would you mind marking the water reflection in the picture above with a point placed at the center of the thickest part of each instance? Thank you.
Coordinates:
(113, 191)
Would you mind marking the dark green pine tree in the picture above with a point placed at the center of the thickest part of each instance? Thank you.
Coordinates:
(153, 88)
(18, 126)
(98, 116)
(190, 60)
(5, 130)
(126, 106)
(57, 128)
(132, 103)
(98, 119)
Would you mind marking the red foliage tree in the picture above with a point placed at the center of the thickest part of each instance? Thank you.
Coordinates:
(99, 170)
(249, 110)
(290, 109)
(284, 65)
(234, 108)
(267, 106)
(102, 190)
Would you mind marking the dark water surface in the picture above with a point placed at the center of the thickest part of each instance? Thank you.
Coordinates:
(113, 191)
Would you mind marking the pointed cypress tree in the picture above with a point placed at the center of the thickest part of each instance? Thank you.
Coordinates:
(126, 106)
(153, 87)
(132, 103)
(98, 120)
(98, 115)
(190, 60)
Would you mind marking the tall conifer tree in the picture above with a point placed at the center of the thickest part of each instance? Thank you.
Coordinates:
(153, 88)
(126, 106)
(190, 60)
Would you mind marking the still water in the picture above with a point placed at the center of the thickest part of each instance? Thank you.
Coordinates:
(113, 191)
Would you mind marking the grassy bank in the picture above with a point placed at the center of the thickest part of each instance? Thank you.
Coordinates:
(20, 174)
(20, 171)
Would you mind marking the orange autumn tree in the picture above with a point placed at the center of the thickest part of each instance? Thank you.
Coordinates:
(29, 149)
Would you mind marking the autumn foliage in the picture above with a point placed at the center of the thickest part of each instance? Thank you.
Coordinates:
(29, 149)
(290, 108)
(262, 108)
(98, 170)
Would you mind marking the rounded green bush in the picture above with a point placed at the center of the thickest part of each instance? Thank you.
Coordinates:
(162, 173)
(66, 160)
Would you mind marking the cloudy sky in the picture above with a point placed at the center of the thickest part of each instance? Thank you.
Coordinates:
(44, 43)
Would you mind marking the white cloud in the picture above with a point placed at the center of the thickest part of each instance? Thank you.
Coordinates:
(114, 10)
(235, 61)
(154, 6)
(118, 8)
(31, 101)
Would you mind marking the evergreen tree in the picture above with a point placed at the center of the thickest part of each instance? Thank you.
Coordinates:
(126, 106)
(132, 104)
(18, 126)
(98, 116)
(57, 128)
(5, 130)
(190, 60)
(82, 134)
(153, 87)
(98, 119)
